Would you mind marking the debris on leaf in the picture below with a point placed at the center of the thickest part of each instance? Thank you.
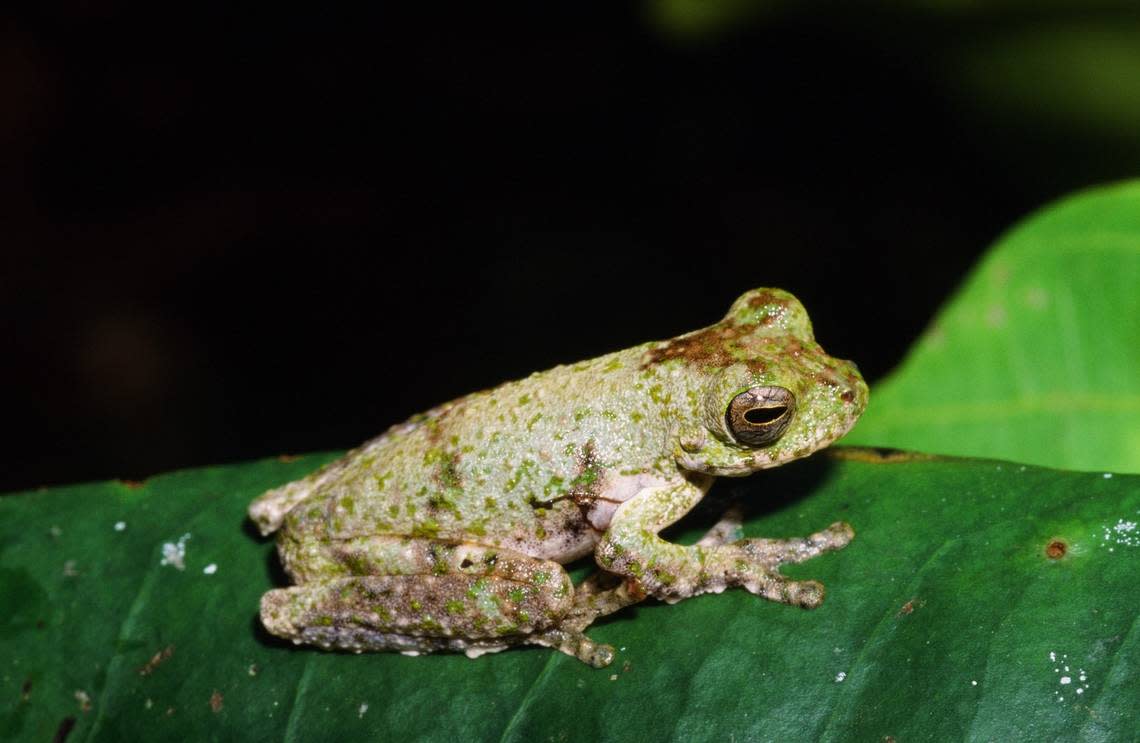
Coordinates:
(156, 660)
(175, 553)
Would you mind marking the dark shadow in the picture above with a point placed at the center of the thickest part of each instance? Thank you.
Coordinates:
(276, 571)
(273, 569)
(263, 638)
(758, 495)
(250, 530)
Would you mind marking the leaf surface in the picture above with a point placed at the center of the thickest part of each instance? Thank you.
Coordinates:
(1037, 357)
(946, 618)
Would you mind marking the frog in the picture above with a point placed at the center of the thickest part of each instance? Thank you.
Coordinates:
(449, 532)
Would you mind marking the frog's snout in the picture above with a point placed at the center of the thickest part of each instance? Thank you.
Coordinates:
(855, 392)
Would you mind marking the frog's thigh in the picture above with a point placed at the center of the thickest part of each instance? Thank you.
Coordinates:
(316, 558)
(404, 612)
(417, 594)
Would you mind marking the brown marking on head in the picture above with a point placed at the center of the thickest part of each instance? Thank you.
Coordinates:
(828, 378)
(716, 346)
(764, 299)
(216, 701)
(1056, 549)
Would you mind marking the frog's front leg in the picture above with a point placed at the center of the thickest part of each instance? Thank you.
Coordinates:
(632, 548)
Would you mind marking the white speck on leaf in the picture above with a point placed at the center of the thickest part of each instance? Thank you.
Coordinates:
(175, 553)
(1108, 475)
(120, 526)
(362, 710)
(1066, 680)
(840, 676)
(973, 683)
(1125, 533)
(210, 569)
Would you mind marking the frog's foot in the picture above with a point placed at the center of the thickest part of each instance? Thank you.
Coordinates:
(726, 530)
(785, 551)
(577, 645)
(756, 569)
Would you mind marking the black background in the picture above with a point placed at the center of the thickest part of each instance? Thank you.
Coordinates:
(246, 232)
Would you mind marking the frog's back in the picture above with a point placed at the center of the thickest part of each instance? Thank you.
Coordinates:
(524, 465)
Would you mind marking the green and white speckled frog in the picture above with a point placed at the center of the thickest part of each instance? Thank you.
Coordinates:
(448, 532)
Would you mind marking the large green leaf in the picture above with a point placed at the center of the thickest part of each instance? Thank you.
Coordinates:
(1037, 357)
(950, 616)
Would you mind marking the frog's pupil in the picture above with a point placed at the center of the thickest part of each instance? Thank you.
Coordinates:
(758, 416)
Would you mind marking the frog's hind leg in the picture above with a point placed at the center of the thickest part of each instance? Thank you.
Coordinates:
(411, 614)
(421, 595)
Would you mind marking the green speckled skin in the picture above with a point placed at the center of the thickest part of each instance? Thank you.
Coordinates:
(447, 532)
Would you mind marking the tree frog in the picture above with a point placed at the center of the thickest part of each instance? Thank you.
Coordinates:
(448, 532)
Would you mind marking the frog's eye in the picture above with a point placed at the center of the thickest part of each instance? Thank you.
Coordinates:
(759, 416)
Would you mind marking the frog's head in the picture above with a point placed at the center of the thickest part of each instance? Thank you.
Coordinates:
(770, 393)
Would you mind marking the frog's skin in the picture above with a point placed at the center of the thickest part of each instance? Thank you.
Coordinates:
(447, 532)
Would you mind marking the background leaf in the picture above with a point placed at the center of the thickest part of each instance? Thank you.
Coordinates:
(1037, 357)
(945, 619)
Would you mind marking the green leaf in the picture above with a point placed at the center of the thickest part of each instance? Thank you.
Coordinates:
(946, 619)
(1037, 357)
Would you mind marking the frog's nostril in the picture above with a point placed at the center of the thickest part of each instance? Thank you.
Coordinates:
(848, 395)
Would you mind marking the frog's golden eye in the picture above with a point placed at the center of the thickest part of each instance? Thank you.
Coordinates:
(759, 416)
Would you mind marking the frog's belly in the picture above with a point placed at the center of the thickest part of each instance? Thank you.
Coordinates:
(582, 521)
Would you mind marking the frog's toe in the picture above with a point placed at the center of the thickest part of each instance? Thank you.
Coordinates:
(774, 587)
(806, 593)
(577, 645)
